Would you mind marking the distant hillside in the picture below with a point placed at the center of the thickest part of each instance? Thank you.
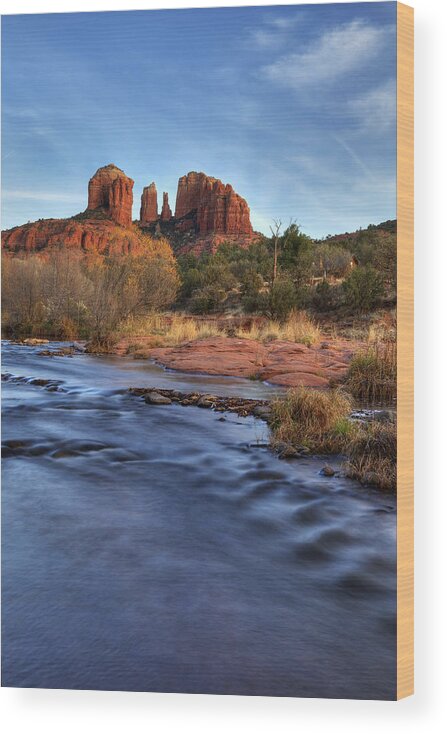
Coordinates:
(389, 226)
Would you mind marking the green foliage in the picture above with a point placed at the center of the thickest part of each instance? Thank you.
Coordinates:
(331, 260)
(247, 273)
(282, 298)
(207, 299)
(296, 254)
(385, 258)
(363, 289)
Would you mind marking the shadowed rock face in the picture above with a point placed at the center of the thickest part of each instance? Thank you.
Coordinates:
(111, 190)
(213, 206)
(149, 206)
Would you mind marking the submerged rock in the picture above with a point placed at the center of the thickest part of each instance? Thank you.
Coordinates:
(327, 471)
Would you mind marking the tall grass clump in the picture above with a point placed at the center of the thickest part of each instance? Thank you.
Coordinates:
(372, 374)
(183, 329)
(372, 455)
(299, 328)
(314, 419)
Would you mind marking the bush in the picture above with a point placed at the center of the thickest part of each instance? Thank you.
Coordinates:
(207, 299)
(326, 297)
(363, 289)
(372, 455)
(312, 418)
(282, 298)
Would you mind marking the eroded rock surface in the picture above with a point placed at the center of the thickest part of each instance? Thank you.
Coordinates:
(211, 206)
(111, 191)
(149, 206)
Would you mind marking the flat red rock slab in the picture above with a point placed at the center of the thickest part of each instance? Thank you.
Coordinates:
(279, 362)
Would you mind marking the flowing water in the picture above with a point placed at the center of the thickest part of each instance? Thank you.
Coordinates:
(160, 548)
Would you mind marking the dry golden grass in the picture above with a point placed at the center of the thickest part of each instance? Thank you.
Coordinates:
(372, 374)
(315, 419)
(183, 329)
(172, 330)
(372, 455)
(299, 328)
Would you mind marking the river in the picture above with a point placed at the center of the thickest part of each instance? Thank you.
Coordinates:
(160, 548)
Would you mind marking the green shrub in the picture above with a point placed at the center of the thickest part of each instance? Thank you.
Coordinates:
(282, 298)
(363, 289)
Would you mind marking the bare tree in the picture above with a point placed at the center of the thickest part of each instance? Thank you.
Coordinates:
(275, 230)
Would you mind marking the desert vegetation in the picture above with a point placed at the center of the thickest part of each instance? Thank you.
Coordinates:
(320, 422)
(63, 296)
(350, 274)
(286, 287)
(312, 419)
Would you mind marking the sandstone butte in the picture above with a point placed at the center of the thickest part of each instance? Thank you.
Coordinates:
(166, 212)
(215, 207)
(207, 213)
(149, 206)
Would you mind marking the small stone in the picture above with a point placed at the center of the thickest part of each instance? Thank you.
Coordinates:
(371, 478)
(303, 450)
(206, 401)
(324, 345)
(384, 416)
(154, 398)
(262, 411)
(286, 451)
(327, 471)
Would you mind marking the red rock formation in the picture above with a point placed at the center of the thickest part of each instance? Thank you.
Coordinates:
(166, 213)
(216, 206)
(208, 213)
(111, 190)
(149, 206)
(85, 236)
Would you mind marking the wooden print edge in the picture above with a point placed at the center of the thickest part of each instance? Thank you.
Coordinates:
(405, 351)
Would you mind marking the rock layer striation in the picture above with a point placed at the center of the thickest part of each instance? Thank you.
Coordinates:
(211, 206)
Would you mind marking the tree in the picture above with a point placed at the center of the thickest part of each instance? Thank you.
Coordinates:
(363, 289)
(385, 258)
(129, 286)
(282, 298)
(296, 254)
(22, 297)
(275, 230)
(331, 260)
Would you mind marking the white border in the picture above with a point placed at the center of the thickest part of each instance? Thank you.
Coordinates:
(42, 711)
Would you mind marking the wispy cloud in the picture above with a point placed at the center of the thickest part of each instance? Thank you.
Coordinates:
(337, 52)
(275, 30)
(375, 111)
(71, 198)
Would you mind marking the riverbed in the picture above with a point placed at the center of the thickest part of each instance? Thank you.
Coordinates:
(164, 548)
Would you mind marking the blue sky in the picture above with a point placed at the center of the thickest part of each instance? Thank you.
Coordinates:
(292, 105)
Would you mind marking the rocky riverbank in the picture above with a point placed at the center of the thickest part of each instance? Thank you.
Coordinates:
(278, 362)
(241, 406)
